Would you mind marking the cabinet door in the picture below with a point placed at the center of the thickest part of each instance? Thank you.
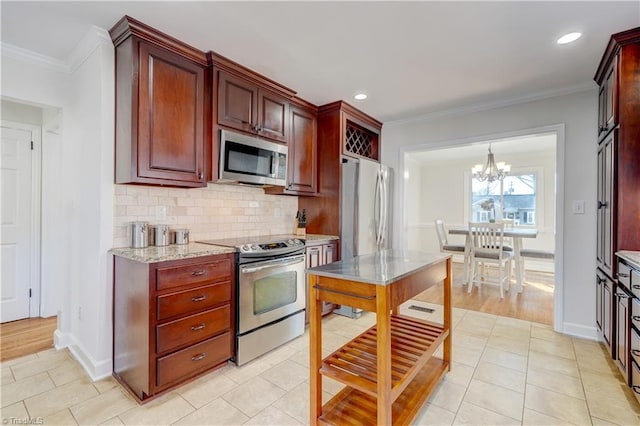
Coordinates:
(302, 163)
(610, 101)
(237, 102)
(330, 252)
(170, 116)
(605, 244)
(622, 331)
(599, 301)
(607, 312)
(273, 116)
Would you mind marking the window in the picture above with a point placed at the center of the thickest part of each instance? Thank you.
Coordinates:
(514, 197)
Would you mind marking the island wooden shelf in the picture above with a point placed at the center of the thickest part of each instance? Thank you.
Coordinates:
(390, 369)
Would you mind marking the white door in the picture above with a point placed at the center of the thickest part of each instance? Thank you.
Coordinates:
(15, 233)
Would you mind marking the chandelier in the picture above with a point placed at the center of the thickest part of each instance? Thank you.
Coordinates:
(490, 171)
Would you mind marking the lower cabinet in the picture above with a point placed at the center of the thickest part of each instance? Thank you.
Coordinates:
(172, 321)
(320, 253)
(627, 298)
(605, 308)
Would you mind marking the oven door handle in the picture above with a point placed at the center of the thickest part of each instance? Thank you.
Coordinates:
(278, 263)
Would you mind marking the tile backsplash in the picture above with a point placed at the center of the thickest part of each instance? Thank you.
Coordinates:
(217, 211)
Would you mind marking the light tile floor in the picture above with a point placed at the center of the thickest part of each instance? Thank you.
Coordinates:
(504, 371)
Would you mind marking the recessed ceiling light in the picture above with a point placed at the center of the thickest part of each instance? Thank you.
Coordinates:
(360, 96)
(568, 38)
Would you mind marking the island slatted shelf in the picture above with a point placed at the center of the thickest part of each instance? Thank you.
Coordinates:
(390, 369)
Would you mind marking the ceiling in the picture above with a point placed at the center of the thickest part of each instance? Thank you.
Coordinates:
(504, 150)
(411, 58)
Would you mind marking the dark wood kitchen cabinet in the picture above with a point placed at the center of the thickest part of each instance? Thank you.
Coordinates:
(342, 130)
(162, 108)
(320, 253)
(251, 108)
(172, 321)
(618, 170)
(605, 308)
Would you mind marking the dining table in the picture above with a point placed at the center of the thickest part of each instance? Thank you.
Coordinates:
(516, 233)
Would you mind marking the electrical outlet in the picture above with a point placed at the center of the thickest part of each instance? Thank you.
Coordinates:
(578, 207)
(161, 212)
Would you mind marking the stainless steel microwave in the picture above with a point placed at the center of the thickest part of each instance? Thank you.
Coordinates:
(248, 159)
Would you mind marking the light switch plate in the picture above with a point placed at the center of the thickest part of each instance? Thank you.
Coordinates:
(578, 207)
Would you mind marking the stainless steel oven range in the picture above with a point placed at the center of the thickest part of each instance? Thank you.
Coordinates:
(270, 295)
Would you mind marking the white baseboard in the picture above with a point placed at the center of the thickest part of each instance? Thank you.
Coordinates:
(96, 370)
(582, 331)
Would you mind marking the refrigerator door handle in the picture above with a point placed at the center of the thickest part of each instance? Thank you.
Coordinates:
(384, 187)
(380, 210)
(376, 208)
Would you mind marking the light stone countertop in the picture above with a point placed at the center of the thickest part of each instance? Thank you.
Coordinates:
(318, 238)
(172, 252)
(632, 257)
(380, 268)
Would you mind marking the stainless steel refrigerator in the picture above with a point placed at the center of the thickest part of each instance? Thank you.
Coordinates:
(365, 211)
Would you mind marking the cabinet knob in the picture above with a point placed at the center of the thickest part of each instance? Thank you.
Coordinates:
(602, 204)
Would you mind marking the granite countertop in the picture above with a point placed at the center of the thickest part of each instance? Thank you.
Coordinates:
(172, 252)
(314, 238)
(632, 257)
(380, 268)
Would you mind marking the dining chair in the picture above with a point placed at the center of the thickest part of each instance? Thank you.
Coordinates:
(445, 247)
(488, 247)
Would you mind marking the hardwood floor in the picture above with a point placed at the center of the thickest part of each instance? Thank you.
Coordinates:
(27, 336)
(535, 303)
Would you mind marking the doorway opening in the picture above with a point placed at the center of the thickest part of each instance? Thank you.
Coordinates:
(439, 184)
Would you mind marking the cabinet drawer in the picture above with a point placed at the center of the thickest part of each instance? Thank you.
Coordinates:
(624, 275)
(635, 283)
(182, 364)
(635, 312)
(635, 379)
(197, 299)
(197, 273)
(192, 329)
(634, 347)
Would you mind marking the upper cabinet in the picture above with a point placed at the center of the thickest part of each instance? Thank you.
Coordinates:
(162, 105)
(249, 102)
(607, 100)
(245, 106)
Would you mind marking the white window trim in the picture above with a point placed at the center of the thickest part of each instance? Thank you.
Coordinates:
(538, 171)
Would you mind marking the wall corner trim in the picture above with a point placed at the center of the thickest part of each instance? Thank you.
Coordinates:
(96, 370)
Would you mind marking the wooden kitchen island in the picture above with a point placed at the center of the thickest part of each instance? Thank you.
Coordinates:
(389, 369)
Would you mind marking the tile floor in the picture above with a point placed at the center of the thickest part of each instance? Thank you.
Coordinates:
(504, 371)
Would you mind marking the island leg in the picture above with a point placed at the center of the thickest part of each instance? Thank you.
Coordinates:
(447, 314)
(315, 350)
(383, 315)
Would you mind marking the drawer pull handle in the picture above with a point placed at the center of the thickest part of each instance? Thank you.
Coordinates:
(198, 298)
(636, 286)
(198, 273)
(636, 389)
(622, 296)
(623, 275)
(636, 317)
(344, 293)
(636, 352)
(198, 327)
(199, 357)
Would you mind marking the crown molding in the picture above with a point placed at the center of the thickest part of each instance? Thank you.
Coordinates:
(34, 58)
(94, 38)
(468, 109)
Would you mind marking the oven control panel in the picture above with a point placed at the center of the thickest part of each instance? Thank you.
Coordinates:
(272, 247)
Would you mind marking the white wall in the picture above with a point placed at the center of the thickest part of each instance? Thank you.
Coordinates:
(442, 187)
(578, 113)
(77, 211)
